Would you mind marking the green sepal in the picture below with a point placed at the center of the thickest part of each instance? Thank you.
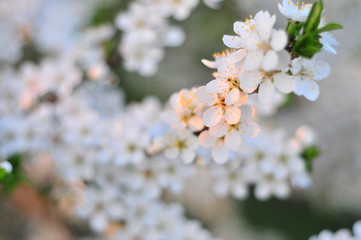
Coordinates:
(314, 17)
(308, 155)
(307, 46)
(329, 27)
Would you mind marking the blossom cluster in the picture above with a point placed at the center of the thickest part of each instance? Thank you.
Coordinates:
(146, 31)
(343, 234)
(117, 160)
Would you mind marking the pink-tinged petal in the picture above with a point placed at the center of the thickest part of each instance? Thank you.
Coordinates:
(219, 130)
(310, 90)
(210, 64)
(241, 100)
(220, 153)
(266, 91)
(247, 112)
(212, 116)
(250, 129)
(206, 140)
(232, 97)
(320, 70)
(279, 40)
(283, 82)
(253, 60)
(232, 41)
(214, 86)
(249, 81)
(270, 61)
(233, 115)
(233, 140)
(195, 124)
(206, 97)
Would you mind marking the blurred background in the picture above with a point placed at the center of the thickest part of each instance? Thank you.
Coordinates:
(334, 200)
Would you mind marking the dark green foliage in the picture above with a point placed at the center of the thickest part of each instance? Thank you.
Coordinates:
(308, 155)
(11, 180)
(304, 37)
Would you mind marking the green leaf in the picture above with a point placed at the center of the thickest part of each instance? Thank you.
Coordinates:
(291, 30)
(329, 27)
(314, 17)
(2, 174)
(307, 46)
(308, 155)
(16, 177)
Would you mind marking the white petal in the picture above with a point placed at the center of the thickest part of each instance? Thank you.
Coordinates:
(320, 70)
(188, 156)
(253, 60)
(232, 140)
(220, 153)
(232, 41)
(262, 191)
(270, 61)
(298, 85)
(171, 152)
(311, 90)
(357, 229)
(99, 222)
(233, 115)
(266, 91)
(279, 40)
(6, 166)
(240, 191)
(212, 116)
(249, 81)
(283, 82)
(219, 130)
(251, 129)
(206, 97)
(232, 97)
(206, 140)
(213, 86)
(265, 24)
(247, 112)
(284, 60)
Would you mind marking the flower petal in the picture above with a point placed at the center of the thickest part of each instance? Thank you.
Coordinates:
(232, 97)
(310, 90)
(279, 40)
(232, 41)
(283, 82)
(232, 140)
(212, 116)
(266, 91)
(206, 97)
(219, 130)
(233, 115)
(206, 140)
(253, 60)
(220, 153)
(270, 61)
